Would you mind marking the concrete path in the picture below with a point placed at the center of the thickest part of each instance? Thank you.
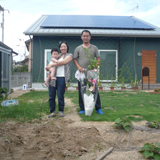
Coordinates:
(16, 94)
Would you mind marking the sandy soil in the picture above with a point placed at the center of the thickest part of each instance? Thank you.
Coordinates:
(70, 138)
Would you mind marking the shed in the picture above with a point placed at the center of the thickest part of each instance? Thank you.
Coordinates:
(121, 40)
(5, 65)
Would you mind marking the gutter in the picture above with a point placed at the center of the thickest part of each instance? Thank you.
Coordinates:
(31, 59)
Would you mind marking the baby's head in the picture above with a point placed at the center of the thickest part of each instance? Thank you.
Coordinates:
(54, 53)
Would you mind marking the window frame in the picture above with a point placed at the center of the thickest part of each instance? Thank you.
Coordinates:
(116, 68)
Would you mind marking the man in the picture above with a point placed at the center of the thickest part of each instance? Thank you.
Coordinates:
(79, 53)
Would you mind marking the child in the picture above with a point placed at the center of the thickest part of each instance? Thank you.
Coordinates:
(51, 75)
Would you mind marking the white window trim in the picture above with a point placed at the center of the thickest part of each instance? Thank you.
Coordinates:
(102, 50)
(45, 61)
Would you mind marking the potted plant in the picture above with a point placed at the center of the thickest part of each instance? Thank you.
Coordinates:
(134, 84)
(112, 86)
(76, 86)
(68, 85)
(100, 85)
(123, 85)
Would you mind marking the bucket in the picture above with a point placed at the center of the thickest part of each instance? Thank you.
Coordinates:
(25, 87)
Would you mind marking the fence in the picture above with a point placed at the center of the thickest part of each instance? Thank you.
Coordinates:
(18, 79)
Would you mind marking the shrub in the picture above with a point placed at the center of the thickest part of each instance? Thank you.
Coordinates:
(151, 151)
(154, 124)
(124, 123)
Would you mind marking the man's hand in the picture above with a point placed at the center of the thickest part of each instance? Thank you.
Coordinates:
(80, 69)
(78, 66)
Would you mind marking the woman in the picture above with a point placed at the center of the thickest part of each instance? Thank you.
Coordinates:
(63, 77)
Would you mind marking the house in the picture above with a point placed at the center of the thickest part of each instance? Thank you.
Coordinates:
(6, 54)
(121, 40)
(25, 61)
(29, 48)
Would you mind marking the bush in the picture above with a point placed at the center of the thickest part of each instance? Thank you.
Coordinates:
(151, 151)
(2, 90)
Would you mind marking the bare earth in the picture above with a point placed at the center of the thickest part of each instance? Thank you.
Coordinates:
(70, 138)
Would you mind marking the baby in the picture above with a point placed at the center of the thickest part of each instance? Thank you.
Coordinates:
(51, 75)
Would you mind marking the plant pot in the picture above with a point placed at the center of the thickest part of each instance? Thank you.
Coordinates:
(112, 88)
(66, 88)
(77, 88)
(123, 88)
(100, 88)
(134, 88)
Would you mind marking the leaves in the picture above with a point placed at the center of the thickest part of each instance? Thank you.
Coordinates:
(154, 124)
(151, 151)
(156, 157)
(93, 61)
(148, 154)
(123, 122)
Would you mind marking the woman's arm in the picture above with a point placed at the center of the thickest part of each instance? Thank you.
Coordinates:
(66, 60)
(54, 60)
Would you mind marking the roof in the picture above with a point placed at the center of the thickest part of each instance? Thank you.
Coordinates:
(6, 47)
(41, 28)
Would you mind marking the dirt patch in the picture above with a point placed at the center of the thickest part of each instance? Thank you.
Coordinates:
(70, 138)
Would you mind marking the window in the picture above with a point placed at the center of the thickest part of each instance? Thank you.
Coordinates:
(109, 65)
(47, 57)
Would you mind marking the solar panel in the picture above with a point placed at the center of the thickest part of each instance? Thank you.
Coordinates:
(91, 21)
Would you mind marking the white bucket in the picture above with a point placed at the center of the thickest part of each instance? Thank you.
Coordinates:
(25, 87)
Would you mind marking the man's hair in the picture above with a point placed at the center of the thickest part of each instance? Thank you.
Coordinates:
(54, 50)
(86, 31)
(61, 42)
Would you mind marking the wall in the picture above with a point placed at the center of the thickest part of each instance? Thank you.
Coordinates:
(127, 50)
(18, 79)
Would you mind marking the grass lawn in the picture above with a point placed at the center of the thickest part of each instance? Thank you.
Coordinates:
(136, 106)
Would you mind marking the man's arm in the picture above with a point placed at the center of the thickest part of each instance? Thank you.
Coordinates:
(98, 61)
(77, 64)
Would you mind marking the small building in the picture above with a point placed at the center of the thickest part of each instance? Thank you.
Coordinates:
(121, 40)
(5, 65)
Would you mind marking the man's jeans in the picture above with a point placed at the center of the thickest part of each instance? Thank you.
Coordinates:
(81, 104)
(60, 88)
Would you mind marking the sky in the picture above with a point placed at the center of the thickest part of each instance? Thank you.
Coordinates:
(20, 15)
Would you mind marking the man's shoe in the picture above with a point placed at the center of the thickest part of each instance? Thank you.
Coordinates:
(82, 112)
(52, 115)
(99, 111)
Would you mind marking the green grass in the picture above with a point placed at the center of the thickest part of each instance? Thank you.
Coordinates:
(137, 106)
(31, 106)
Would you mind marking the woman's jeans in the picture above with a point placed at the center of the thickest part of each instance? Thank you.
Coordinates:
(81, 104)
(60, 88)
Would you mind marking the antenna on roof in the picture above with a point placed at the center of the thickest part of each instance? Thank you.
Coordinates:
(134, 8)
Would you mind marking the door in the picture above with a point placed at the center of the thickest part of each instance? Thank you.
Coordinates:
(149, 60)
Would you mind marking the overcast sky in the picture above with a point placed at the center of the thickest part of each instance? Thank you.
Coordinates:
(21, 14)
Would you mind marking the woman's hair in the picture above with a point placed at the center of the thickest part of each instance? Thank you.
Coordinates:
(61, 42)
(54, 50)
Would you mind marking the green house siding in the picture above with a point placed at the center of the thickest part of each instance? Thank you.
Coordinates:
(127, 50)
